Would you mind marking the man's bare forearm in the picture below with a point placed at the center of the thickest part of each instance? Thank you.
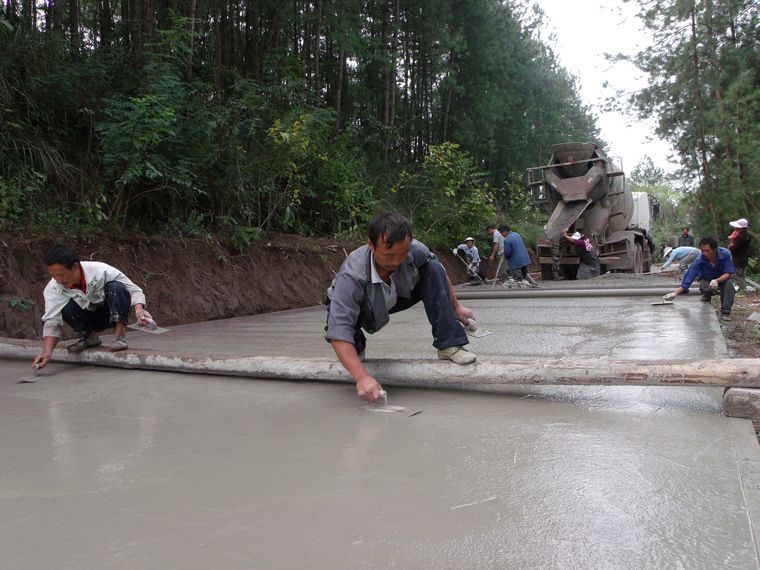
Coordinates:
(48, 344)
(348, 357)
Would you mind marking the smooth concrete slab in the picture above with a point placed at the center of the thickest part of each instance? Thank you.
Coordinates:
(106, 468)
(618, 327)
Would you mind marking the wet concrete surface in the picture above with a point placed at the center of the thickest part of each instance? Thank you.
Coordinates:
(615, 327)
(108, 468)
(608, 280)
(126, 469)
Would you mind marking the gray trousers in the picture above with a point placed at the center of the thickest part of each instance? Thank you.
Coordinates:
(521, 273)
(726, 290)
(740, 275)
(684, 264)
(501, 267)
(588, 271)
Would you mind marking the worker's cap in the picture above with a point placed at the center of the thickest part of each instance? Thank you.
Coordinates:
(667, 250)
(468, 239)
(740, 223)
(576, 235)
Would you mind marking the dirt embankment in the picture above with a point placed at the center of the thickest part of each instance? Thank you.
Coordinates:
(184, 280)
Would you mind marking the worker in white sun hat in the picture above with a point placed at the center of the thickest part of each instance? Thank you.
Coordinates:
(684, 255)
(739, 246)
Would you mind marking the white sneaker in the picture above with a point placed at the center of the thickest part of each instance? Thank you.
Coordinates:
(457, 354)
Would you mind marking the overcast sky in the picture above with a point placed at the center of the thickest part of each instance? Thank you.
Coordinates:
(585, 30)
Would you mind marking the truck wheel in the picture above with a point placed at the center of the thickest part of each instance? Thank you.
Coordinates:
(638, 259)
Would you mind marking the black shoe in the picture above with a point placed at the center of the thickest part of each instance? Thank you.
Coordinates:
(705, 298)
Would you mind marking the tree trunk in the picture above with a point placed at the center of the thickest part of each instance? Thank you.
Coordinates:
(126, 24)
(702, 141)
(191, 40)
(339, 87)
(252, 33)
(74, 27)
(317, 47)
(106, 24)
(26, 14)
(148, 25)
(57, 11)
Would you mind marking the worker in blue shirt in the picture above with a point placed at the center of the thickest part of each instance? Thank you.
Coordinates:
(516, 256)
(685, 255)
(715, 268)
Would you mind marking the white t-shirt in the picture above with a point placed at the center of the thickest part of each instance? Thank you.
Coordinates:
(498, 239)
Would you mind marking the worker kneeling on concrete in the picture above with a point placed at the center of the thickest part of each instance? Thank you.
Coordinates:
(715, 268)
(389, 274)
(89, 296)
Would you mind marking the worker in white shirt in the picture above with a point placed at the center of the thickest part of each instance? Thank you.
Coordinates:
(89, 296)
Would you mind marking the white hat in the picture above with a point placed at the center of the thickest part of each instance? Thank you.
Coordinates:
(740, 223)
(667, 251)
(468, 239)
(576, 235)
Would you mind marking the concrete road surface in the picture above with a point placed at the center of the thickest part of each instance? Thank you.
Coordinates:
(109, 468)
(615, 327)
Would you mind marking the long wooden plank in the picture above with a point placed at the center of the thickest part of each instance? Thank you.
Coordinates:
(484, 376)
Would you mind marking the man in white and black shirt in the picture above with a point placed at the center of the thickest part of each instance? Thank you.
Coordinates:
(89, 296)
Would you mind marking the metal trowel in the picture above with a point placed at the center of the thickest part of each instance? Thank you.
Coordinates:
(381, 405)
(149, 327)
(33, 377)
(472, 329)
(662, 303)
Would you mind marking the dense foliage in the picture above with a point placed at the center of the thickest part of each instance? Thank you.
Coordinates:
(704, 90)
(248, 116)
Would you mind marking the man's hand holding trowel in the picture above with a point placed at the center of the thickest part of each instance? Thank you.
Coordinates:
(144, 319)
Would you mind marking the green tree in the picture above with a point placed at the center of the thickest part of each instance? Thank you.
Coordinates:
(704, 89)
(445, 197)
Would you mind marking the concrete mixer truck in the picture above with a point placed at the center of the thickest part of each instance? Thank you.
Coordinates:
(582, 189)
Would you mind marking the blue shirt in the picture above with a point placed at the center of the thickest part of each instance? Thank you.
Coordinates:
(515, 251)
(706, 270)
(680, 253)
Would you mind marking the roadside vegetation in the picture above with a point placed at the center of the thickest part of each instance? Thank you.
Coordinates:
(243, 118)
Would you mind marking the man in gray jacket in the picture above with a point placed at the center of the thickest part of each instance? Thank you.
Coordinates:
(389, 274)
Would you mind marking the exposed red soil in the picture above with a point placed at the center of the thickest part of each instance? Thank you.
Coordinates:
(185, 280)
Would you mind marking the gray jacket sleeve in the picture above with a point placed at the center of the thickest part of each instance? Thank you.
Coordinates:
(421, 253)
(346, 297)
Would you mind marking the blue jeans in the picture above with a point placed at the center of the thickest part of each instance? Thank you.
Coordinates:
(433, 291)
(116, 309)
